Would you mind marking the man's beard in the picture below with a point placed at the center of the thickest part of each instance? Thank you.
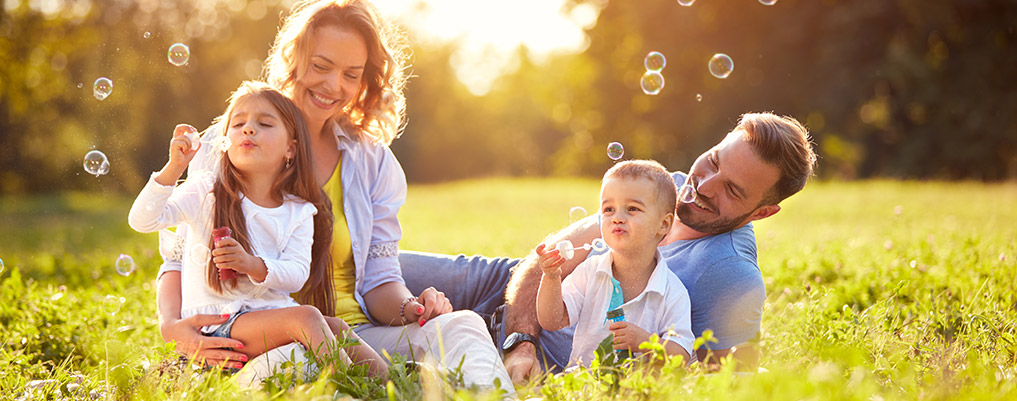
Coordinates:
(718, 226)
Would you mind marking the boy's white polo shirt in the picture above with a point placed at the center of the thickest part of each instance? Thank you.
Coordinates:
(662, 306)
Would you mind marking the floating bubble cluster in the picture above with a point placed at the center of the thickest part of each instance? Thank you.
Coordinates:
(655, 61)
(96, 163)
(567, 250)
(179, 54)
(102, 87)
(576, 213)
(124, 265)
(615, 150)
(721, 65)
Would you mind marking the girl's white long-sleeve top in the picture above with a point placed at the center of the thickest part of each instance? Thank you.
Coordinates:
(281, 236)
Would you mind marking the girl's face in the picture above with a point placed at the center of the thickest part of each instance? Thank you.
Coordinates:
(334, 74)
(259, 142)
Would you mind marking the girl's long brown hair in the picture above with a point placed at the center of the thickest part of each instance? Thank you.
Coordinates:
(297, 179)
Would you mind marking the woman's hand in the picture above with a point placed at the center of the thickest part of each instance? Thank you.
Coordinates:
(228, 254)
(549, 261)
(209, 350)
(428, 305)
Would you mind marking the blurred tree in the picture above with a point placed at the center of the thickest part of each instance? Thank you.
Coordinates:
(899, 88)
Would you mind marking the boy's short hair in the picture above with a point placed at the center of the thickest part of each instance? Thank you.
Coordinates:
(653, 171)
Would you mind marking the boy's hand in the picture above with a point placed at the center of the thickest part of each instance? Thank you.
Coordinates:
(228, 254)
(550, 261)
(628, 336)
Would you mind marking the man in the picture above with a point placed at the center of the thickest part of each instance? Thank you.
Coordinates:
(712, 249)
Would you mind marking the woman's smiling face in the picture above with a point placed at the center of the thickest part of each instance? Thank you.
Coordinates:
(333, 76)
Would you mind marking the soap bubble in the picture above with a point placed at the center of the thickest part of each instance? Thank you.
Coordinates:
(102, 88)
(147, 35)
(96, 163)
(124, 265)
(599, 245)
(111, 304)
(768, 2)
(178, 54)
(224, 143)
(615, 150)
(80, 85)
(565, 249)
(699, 97)
(200, 255)
(687, 193)
(576, 213)
(1, 266)
(652, 82)
(686, 3)
(655, 61)
(721, 65)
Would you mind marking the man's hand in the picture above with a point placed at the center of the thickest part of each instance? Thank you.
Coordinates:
(628, 336)
(210, 350)
(522, 363)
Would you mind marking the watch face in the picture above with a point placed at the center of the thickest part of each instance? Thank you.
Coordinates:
(510, 341)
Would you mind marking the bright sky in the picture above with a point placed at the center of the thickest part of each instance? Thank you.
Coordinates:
(490, 31)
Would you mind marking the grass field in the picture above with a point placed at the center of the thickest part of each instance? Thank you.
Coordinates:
(875, 290)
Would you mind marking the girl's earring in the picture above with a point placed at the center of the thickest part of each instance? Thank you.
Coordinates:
(289, 161)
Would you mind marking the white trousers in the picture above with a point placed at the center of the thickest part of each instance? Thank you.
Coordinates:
(449, 339)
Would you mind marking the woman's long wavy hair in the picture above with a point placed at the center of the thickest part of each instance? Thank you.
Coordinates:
(295, 179)
(379, 109)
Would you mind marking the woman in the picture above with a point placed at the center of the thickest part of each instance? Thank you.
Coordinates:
(343, 67)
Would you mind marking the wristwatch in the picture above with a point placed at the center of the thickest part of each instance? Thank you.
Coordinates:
(512, 340)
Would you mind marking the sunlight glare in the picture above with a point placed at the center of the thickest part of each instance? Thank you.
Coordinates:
(489, 32)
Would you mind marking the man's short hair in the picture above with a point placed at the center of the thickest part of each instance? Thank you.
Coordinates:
(663, 184)
(783, 142)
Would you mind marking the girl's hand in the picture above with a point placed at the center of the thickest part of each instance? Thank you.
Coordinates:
(550, 261)
(180, 154)
(628, 336)
(228, 254)
(182, 149)
(430, 303)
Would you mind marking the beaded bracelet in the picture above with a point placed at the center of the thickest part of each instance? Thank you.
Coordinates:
(402, 309)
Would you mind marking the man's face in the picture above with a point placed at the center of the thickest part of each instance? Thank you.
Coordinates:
(731, 182)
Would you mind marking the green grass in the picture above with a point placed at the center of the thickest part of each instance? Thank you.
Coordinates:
(875, 290)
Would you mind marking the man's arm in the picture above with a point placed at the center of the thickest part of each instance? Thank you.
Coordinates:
(521, 295)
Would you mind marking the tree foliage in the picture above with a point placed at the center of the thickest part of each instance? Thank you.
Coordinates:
(901, 88)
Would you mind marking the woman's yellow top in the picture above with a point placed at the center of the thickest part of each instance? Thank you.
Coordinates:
(343, 269)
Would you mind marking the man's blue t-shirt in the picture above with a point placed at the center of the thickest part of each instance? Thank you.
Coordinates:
(725, 288)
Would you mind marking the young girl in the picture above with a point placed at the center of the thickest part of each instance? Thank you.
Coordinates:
(267, 194)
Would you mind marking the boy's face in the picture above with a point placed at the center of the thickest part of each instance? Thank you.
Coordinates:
(632, 218)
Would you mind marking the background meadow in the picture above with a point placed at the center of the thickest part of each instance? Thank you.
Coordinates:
(875, 290)
(889, 277)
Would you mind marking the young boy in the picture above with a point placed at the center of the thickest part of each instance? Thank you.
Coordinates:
(637, 203)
